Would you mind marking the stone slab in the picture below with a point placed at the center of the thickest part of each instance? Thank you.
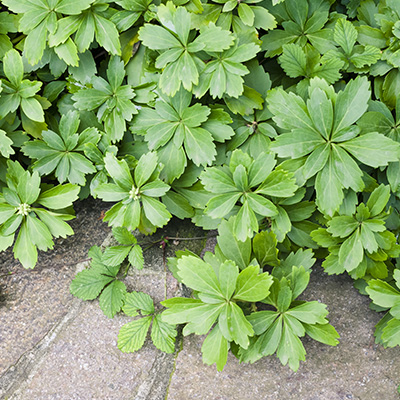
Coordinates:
(32, 301)
(67, 348)
(85, 363)
(356, 369)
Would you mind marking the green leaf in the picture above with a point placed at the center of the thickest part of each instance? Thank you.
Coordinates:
(59, 197)
(290, 112)
(351, 103)
(68, 52)
(119, 171)
(263, 19)
(111, 299)
(202, 318)
(214, 38)
(135, 257)
(199, 275)
(88, 284)
(342, 226)
(234, 326)
(345, 35)
(199, 146)
(246, 14)
(39, 233)
(369, 56)
(157, 38)
(123, 236)
(138, 301)
(231, 247)
(297, 143)
(13, 67)
(347, 169)
(107, 34)
(279, 183)
(215, 349)
(251, 286)
(390, 335)
(155, 211)
(35, 43)
(32, 109)
(5, 145)
(382, 294)
(311, 312)
(316, 160)
(264, 247)
(228, 274)
(219, 206)
(217, 181)
(145, 168)
(329, 189)
(24, 250)
(284, 299)
(262, 320)
(55, 223)
(378, 199)
(290, 350)
(163, 335)
(293, 60)
(351, 252)
(373, 149)
(323, 333)
(115, 255)
(245, 222)
(131, 336)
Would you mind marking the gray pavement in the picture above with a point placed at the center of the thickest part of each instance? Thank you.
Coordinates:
(56, 347)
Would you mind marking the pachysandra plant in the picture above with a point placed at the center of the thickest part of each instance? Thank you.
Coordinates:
(132, 335)
(18, 92)
(101, 279)
(218, 289)
(321, 134)
(302, 22)
(137, 194)
(40, 19)
(112, 99)
(180, 132)
(247, 181)
(226, 301)
(275, 122)
(62, 153)
(279, 330)
(38, 213)
(359, 243)
(178, 57)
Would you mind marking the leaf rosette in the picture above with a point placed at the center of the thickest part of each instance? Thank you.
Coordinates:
(39, 213)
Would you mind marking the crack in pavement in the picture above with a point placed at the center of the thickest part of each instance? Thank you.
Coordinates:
(18, 376)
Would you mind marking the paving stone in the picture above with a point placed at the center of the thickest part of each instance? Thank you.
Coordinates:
(67, 348)
(356, 369)
(32, 301)
(85, 363)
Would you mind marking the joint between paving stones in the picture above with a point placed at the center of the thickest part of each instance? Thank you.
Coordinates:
(17, 377)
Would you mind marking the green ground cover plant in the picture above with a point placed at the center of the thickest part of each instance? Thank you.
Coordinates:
(273, 122)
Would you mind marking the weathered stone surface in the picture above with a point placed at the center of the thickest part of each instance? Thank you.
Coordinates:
(67, 348)
(32, 301)
(356, 369)
(85, 363)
